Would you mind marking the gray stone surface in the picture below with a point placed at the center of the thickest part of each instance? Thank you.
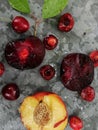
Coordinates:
(85, 13)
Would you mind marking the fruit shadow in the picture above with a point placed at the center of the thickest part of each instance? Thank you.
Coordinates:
(43, 89)
(75, 113)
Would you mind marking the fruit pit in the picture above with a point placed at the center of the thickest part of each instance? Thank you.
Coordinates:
(42, 114)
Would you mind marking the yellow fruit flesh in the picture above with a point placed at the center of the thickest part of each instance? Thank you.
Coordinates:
(57, 109)
(58, 112)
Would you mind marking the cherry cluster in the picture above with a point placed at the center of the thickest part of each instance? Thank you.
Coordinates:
(29, 53)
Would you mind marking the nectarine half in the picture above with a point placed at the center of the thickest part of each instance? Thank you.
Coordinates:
(44, 111)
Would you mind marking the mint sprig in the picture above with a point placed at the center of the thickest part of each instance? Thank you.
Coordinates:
(20, 5)
(52, 8)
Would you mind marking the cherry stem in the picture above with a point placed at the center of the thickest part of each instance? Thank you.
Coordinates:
(3, 19)
(37, 23)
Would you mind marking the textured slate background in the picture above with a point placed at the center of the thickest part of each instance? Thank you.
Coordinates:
(85, 13)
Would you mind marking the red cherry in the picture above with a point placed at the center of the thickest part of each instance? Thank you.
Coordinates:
(94, 57)
(75, 123)
(20, 24)
(25, 53)
(10, 91)
(2, 69)
(88, 94)
(50, 42)
(66, 22)
(47, 72)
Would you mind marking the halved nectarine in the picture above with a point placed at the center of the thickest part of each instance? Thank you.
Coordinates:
(44, 111)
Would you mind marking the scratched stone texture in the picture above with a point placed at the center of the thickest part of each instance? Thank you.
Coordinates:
(85, 13)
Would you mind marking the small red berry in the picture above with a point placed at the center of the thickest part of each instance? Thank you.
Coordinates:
(20, 24)
(2, 69)
(75, 123)
(88, 93)
(94, 57)
(50, 42)
(47, 72)
(66, 22)
(10, 91)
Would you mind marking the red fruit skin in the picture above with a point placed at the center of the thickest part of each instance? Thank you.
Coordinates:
(10, 91)
(20, 24)
(94, 57)
(50, 42)
(2, 69)
(25, 53)
(88, 94)
(47, 72)
(66, 22)
(75, 123)
(77, 71)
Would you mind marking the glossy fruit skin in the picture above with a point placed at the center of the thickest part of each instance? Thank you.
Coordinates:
(66, 22)
(77, 71)
(25, 53)
(88, 93)
(94, 57)
(10, 91)
(20, 24)
(75, 123)
(2, 69)
(47, 72)
(50, 42)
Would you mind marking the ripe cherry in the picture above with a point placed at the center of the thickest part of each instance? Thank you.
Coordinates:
(10, 91)
(2, 69)
(50, 42)
(88, 94)
(25, 53)
(66, 22)
(75, 123)
(47, 72)
(20, 24)
(94, 57)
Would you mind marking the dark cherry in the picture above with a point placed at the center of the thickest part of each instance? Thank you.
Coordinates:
(66, 22)
(20, 24)
(50, 42)
(10, 91)
(47, 72)
(77, 71)
(88, 93)
(94, 57)
(2, 69)
(75, 123)
(25, 53)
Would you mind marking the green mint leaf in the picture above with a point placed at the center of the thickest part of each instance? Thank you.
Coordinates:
(20, 5)
(52, 8)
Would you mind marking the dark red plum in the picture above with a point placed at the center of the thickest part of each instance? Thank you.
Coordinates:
(77, 71)
(25, 53)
